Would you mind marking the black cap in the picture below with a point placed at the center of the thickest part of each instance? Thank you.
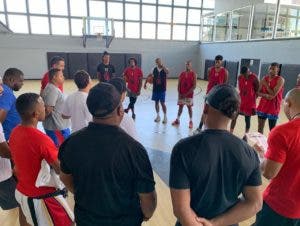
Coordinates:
(225, 99)
(103, 99)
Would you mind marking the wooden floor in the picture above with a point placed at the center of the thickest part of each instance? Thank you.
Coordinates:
(152, 135)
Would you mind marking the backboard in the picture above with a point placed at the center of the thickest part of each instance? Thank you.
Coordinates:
(97, 27)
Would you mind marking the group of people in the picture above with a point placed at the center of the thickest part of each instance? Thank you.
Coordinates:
(109, 172)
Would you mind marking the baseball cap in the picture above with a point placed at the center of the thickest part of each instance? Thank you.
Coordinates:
(103, 99)
(225, 99)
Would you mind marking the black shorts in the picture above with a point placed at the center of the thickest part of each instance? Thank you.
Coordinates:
(7, 194)
(267, 216)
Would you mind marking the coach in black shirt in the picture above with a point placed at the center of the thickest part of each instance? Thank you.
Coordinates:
(108, 171)
(105, 70)
(210, 170)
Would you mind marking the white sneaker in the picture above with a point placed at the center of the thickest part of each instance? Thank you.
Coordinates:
(157, 119)
(195, 132)
(165, 120)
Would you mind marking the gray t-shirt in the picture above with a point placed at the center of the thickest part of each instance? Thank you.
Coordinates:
(53, 97)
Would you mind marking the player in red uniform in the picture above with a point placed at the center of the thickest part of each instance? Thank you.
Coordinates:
(134, 78)
(270, 90)
(216, 75)
(186, 86)
(248, 86)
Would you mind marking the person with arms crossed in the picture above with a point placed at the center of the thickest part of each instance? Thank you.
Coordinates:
(105, 70)
(210, 170)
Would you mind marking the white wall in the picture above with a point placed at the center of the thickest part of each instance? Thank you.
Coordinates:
(28, 53)
(281, 51)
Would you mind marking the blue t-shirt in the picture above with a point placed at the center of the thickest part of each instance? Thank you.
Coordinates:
(8, 103)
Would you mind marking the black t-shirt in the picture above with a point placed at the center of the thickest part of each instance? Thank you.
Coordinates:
(105, 72)
(109, 169)
(215, 165)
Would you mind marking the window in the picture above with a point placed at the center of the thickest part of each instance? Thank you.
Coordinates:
(78, 7)
(209, 4)
(195, 3)
(194, 16)
(18, 6)
(178, 32)
(132, 11)
(1, 6)
(18, 23)
(193, 33)
(60, 26)
(179, 15)
(76, 25)
(149, 1)
(148, 31)
(208, 29)
(163, 31)
(115, 10)
(165, 2)
(263, 21)
(180, 2)
(148, 13)
(38, 6)
(132, 0)
(97, 8)
(2, 18)
(132, 30)
(222, 27)
(164, 14)
(39, 25)
(240, 23)
(118, 26)
(58, 7)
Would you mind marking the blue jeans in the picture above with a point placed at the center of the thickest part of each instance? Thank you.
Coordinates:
(53, 135)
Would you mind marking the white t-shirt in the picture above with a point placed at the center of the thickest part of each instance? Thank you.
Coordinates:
(127, 124)
(5, 166)
(75, 107)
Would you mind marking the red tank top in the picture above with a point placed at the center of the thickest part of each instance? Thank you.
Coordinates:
(186, 81)
(248, 94)
(216, 78)
(271, 107)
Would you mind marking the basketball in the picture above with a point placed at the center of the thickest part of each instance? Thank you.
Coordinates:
(150, 79)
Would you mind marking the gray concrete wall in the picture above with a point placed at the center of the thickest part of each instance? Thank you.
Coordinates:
(29, 52)
(281, 51)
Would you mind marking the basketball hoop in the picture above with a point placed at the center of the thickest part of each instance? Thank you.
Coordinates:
(99, 36)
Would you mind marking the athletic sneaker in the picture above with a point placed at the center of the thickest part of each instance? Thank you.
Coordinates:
(176, 122)
(195, 132)
(191, 125)
(165, 120)
(157, 119)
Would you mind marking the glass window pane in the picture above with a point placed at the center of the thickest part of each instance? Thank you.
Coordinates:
(195, 3)
(179, 15)
(209, 4)
(287, 25)
(132, 0)
(165, 2)
(1, 6)
(208, 29)
(132, 30)
(178, 32)
(115, 10)
(240, 23)
(132, 11)
(16, 6)
(263, 21)
(207, 12)
(149, 1)
(38, 6)
(148, 13)
(148, 31)
(180, 2)
(194, 16)
(164, 31)
(60, 26)
(76, 26)
(193, 33)
(97, 8)
(18, 23)
(39, 25)
(58, 7)
(164, 14)
(222, 27)
(78, 7)
(118, 29)
(2, 18)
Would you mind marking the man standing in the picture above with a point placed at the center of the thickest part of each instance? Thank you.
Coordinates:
(248, 86)
(210, 170)
(133, 77)
(115, 169)
(186, 86)
(270, 90)
(159, 74)
(105, 70)
(282, 166)
(216, 75)
(56, 62)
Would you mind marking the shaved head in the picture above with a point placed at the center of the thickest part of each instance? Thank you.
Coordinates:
(292, 103)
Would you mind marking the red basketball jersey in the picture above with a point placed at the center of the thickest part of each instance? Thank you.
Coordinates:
(216, 78)
(133, 76)
(186, 82)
